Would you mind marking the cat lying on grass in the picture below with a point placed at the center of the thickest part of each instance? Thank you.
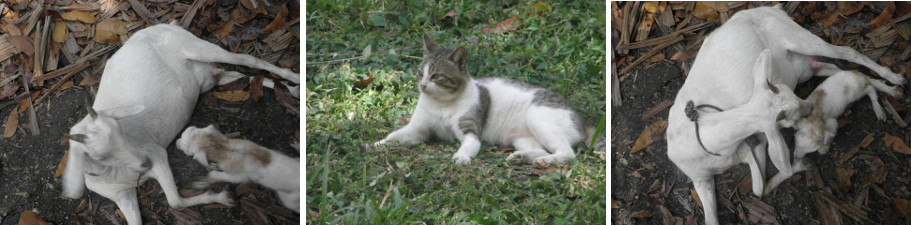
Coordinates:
(539, 123)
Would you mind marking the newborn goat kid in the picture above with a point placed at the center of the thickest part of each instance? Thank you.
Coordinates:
(243, 161)
(147, 93)
(830, 99)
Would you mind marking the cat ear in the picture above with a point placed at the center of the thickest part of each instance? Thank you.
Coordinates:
(429, 45)
(459, 57)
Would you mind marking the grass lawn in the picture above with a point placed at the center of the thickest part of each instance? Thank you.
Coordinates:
(361, 85)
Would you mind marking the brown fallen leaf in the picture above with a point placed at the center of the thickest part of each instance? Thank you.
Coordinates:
(704, 10)
(696, 197)
(505, 25)
(613, 204)
(12, 122)
(897, 144)
(81, 16)
(278, 22)
(30, 218)
(232, 96)
(637, 175)
(863, 144)
(283, 95)
(363, 83)
(108, 31)
(883, 17)
(650, 6)
(24, 104)
(239, 17)
(847, 8)
(844, 177)
(23, 44)
(60, 32)
(542, 8)
(657, 58)
(89, 81)
(902, 208)
(682, 55)
(224, 29)
(828, 19)
(256, 88)
(66, 85)
(642, 214)
(645, 138)
(61, 165)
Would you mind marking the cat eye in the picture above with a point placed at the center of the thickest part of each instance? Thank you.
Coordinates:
(435, 76)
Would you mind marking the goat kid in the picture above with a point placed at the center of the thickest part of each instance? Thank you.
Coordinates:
(243, 161)
(147, 93)
(721, 76)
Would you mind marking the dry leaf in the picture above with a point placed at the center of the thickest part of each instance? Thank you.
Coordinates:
(613, 204)
(696, 197)
(505, 26)
(642, 214)
(24, 104)
(657, 58)
(651, 6)
(12, 122)
(23, 44)
(109, 30)
(645, 138)
(225, 29)
(363, 83)
(61, 165)
(30, 218)
(705, 11)
(902, 208)
(81, 16)
(239, 17)
(897, 144)
(828, 19)
(284, 96)
(11, 29)
(883, 17)
(232, 96)
(256, 88)
(637, 174)
(60, 32)
(682, 55)
(542, 7)
(89, 81)
(847, 8)
(278, 22)
(66, 85)
(844, 177)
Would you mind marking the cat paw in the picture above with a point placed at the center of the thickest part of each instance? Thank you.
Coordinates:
(461, 159)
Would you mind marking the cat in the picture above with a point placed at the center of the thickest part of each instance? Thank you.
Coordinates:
(540, 124)
(243, 161)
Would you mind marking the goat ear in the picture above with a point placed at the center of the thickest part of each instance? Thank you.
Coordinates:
(88, 107)
(122, 112)
(771, 86)
(762, 68)
(76, 137)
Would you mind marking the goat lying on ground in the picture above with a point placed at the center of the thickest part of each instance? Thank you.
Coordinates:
(147, 93)
(830, 99)
(242, 161)
(721, 77)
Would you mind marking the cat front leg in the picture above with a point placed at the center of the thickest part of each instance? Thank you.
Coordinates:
(468, 149)
(410, 134)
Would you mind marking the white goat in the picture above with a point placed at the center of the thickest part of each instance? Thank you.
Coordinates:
(147, 93)
(243, 161)
(721, 76)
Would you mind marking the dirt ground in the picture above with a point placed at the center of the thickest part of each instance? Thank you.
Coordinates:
(647, 188)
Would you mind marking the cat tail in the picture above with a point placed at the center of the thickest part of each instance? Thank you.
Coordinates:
(599, 144)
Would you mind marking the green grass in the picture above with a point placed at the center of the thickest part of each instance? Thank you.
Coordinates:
(563, 50)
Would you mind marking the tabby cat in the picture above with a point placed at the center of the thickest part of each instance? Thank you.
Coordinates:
(540, 124)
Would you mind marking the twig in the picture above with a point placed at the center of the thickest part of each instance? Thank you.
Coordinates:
(67, 68)
(362, 56)
(650, 54)
(191, 12)
(142, 11)
(15, 100)
(59, 83)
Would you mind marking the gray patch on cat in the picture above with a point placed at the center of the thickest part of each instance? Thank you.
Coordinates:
(550, 99)
(473, 121)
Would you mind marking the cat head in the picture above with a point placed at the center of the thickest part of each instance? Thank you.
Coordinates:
(443, 74)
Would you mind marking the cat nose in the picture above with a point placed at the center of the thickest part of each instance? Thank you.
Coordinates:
(423, 86)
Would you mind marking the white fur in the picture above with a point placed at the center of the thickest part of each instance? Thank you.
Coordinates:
(721, 76)
(539, 128)
(838, 91)
(281, 174)
(147, 93)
